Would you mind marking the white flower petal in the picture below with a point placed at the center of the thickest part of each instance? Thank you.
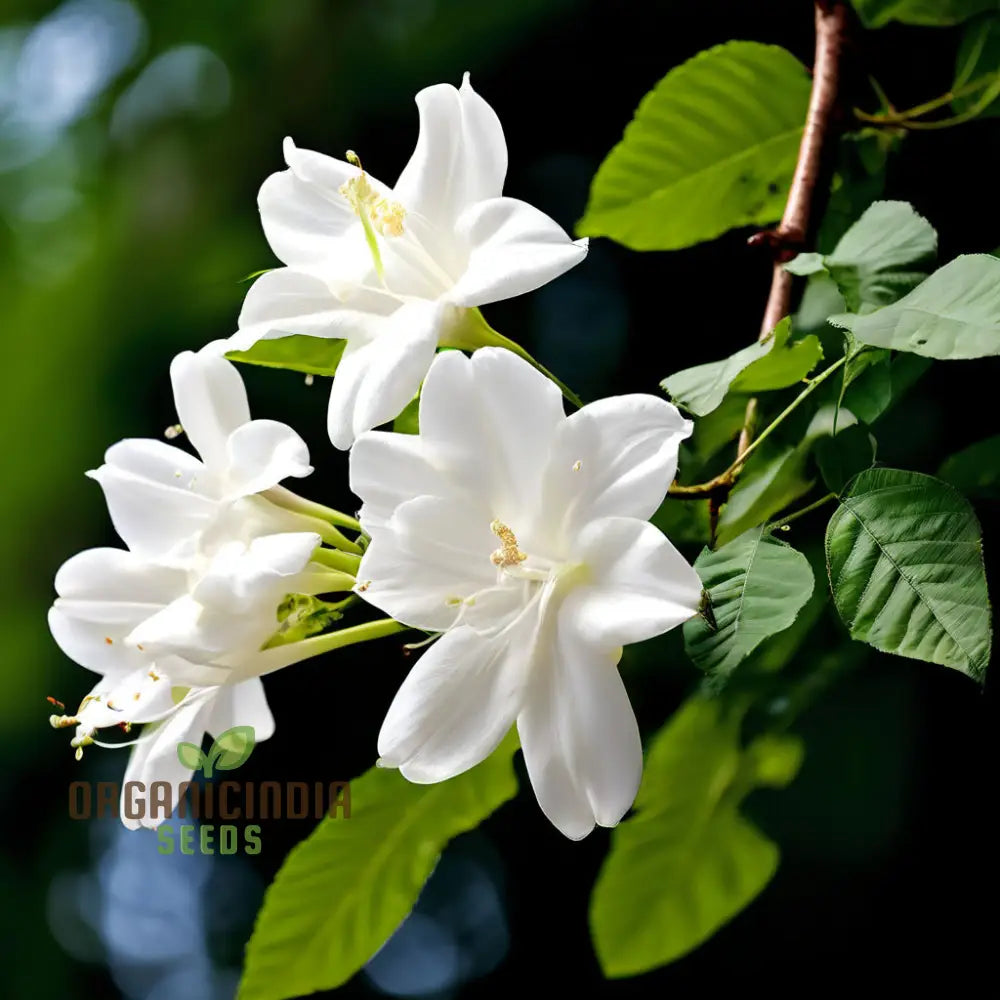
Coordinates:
(615, 457)
(104, 594)
(211, 402)
(260, 454)
(510, 415)
(642, 586)
(344, 395)
(579, 736)
(285, 302)
(154, 758)
(460, 157)
(158, 496)
(387, 469)
(397, 362)
(304, 215)
(433, 554)
(513, 248)
(243, 704)
(454, 707)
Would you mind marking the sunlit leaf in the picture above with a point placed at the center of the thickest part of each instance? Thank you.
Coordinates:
(312, 355)
(343, 891)
(772, 364)
(711, 147)
(954, 314)
(904, 553)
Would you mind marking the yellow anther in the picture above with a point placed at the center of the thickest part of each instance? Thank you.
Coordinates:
(63, 721)
(508, 554)
(577, 465)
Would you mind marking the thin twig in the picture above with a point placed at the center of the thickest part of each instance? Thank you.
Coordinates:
(791, 231)
(830, 22)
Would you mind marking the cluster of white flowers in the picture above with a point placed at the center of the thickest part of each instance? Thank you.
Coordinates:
(515, 534)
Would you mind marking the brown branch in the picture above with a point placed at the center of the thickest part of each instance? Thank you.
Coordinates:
(831, 19)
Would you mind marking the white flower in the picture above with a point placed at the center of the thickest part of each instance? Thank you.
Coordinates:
(163, 500)
(520, 533)
(394, 270)
(181, 647)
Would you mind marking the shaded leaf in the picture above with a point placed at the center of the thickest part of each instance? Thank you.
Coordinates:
(904, 554)
(875, 13)
(975, 470)
(711, 147)
(842, 457)
(686, 862)
(978, 58)
(757, 585)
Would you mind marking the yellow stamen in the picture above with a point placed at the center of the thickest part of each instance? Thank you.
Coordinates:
(508, 554)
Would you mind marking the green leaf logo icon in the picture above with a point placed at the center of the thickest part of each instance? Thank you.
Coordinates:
(228, 752)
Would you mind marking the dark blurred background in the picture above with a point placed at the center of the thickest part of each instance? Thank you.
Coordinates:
(133, 138)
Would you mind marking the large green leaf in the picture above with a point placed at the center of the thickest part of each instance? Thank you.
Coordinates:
(875, 13)
(954, 314)
(687, 862)
(771, 364)
(884, 255)
(975, 470)
(757, 586)
(312, 355)
(904, 554)
(344, 890)
(711, 147)
(978, 62)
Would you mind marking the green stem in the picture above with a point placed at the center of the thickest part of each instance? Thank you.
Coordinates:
(803, 511)
(346, 562)
(288, 500)
(814, 384)
(277, 657)
(904, 118)
(479, 333)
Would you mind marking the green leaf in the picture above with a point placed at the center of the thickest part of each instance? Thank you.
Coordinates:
(757, 585)
(686, 862)
(231, 749)
(312, 355)
(880, 258)
(190, 756)
(978, 60)
(408, 421)
(842, 457)
(904, 554)
(975, 470)
(771, 364)
(343, 891)
(876, 380)
(954, 314)
(775, 476)
(711, 147)
(876, 13)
